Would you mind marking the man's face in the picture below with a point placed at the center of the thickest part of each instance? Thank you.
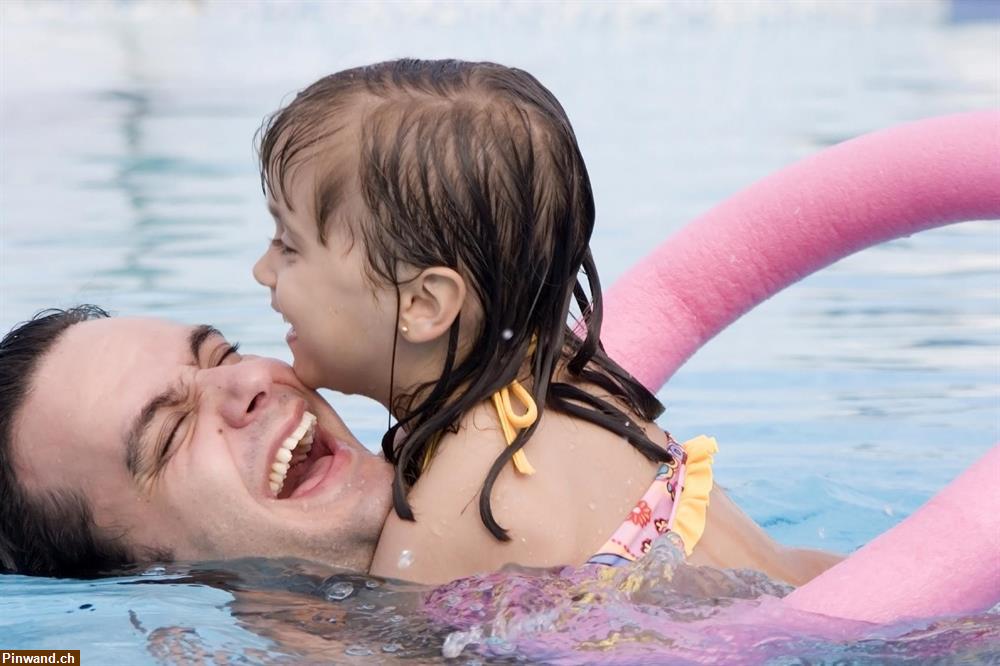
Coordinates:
(172, 437)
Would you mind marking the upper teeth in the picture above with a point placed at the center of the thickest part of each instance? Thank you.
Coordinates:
(294, 449)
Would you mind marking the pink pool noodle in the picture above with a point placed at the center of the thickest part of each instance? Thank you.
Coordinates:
(854, 195)
(945, 558)
(942, 560)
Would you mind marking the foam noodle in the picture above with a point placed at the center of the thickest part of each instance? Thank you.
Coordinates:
(854, 195)
(945, 558)
(942, 560)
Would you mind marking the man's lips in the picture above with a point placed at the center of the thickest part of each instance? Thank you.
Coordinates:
(319, 471)
(303, 471)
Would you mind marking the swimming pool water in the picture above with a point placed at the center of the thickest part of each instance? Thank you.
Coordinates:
(127, 179)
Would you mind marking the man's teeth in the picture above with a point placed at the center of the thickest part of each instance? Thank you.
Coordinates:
(293, 450)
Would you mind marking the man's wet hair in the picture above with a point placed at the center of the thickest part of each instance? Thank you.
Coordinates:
(50, 533)
(473, 166)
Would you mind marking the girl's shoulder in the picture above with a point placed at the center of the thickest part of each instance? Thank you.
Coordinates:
(585, 481)
(448, 539)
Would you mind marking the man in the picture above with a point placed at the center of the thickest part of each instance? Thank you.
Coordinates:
(129, 440)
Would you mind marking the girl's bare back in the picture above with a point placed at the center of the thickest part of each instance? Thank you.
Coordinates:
(587, 480)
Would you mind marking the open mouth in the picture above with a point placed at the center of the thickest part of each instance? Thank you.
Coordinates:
(290, 336)
(294, 464)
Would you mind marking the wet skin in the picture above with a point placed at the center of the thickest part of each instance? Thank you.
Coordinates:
(170, 435)
(343, 324)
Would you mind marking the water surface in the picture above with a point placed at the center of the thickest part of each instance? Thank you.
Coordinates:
(127, 179)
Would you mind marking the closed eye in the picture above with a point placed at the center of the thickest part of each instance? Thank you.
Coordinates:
(171, 438)
(229, 351)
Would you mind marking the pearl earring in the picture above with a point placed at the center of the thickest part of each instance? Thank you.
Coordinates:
(404, 328)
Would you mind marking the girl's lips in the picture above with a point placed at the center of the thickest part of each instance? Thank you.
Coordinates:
(291, 336)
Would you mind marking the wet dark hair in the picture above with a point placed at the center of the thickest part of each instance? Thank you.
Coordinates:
(473, 166)
(50, 533)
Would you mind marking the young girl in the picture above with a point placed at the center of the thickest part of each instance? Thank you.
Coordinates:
(432, 252)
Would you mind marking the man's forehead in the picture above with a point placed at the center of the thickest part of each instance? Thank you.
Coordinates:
(91, 383)
(100, 372)
(124, 335)
(103, 353)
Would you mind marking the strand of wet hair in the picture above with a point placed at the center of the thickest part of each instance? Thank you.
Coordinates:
(412, 443)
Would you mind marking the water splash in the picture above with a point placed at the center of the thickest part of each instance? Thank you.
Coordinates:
(662, 610)
(339, 591)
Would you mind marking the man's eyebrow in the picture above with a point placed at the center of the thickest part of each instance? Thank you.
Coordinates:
(197, 338)
(135, 451)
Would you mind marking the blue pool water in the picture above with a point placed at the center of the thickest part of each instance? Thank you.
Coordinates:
(127, 179)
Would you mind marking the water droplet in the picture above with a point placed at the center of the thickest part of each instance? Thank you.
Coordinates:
(391, 647)
(154, 571)
(405, 559)
(358, 651)
(340, 591)
(821, 532)
(457, 640)
(500, 645)
(628, 424)
(371, 584)
(507, 334)
(396, 619)
(591, 506)
(887, 510)
(367, 607)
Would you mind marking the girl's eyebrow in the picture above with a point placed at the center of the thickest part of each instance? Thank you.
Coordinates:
(281, 223)
(135, 446)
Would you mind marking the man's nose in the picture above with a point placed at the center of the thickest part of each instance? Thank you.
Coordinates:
(242, 391)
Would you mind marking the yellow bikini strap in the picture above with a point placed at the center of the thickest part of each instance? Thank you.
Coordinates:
(512, 423)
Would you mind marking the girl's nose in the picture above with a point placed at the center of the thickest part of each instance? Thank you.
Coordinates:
(262, 271)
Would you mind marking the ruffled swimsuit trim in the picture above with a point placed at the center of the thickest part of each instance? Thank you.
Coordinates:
(677, 501)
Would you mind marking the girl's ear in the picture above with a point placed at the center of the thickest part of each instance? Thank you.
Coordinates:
(429, 303)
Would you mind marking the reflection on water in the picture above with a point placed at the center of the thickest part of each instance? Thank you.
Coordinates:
(127, 179)
(658, 610)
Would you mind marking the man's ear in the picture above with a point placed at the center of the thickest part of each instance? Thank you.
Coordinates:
(429, 303)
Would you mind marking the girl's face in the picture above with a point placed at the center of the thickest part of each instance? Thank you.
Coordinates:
(342, 326)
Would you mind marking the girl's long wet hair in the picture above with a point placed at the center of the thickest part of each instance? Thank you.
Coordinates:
(473, 166)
